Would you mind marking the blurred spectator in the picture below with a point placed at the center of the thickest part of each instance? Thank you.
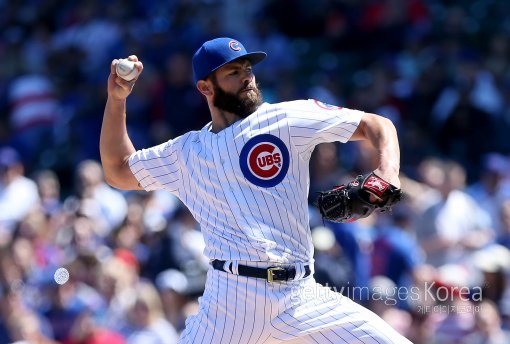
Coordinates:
(174, 96)
(333, 267)
(25, 327)
(384, 298)
(494, 265)
(175, 293)
(454, 312)
(90, 30)
(421, 329)
(468, 110)
(66, 302)
(493, 262)
(105, 205)
(456, 225)
(146, 320)
(268, 38)
(325, 172)
(492, 188)
(48, 186)
(129, 237)
(17, 320)
(488, 326)
(131, 234)
(18, 194)
(79, 235)
(356, 239)
(504, 216)
(421, 195)
(86, 330)
(396, 253)
(34, 110)
(181, 247)
(115, 282)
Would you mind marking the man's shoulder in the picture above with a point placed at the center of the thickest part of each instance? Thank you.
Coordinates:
(312, 105)
(270, 109)
(288, 104)
(191, 135)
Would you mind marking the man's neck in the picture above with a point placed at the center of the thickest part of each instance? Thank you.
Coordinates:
(222, 119)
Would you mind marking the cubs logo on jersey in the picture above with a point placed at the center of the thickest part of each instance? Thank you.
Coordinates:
(264, 160)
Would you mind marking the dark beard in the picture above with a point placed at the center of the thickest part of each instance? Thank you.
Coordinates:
(233, 103)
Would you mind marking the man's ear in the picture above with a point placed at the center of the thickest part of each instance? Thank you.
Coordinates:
(205, 88)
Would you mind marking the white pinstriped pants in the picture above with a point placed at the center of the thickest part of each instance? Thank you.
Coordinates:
(243, 310)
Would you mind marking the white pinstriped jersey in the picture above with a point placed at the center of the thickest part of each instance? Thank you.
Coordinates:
(247, 185)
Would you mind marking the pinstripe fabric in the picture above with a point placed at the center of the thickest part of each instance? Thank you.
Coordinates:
(237, 309)
(241, 220)
(247, 186)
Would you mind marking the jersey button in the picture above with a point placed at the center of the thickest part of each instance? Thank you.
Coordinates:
(222, 161)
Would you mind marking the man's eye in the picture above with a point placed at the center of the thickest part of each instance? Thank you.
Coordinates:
(233, 72)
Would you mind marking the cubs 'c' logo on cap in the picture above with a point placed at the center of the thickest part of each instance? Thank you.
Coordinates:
(264, 160)
(234, 45)
(327, 106)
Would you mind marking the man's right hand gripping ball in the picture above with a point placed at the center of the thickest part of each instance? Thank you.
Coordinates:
(351, 202)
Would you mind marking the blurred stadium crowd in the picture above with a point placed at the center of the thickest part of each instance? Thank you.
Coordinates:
(439, 69)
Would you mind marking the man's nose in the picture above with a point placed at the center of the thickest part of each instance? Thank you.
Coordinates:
(247, 75)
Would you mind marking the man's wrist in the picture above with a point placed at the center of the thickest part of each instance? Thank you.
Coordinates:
(116, 100)
(389, 174)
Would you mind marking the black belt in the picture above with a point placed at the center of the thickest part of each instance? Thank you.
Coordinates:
(270, 274)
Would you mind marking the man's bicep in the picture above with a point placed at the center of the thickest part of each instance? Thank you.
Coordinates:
(358, 134)
(360, 131)
(121, 177)
(131, 183)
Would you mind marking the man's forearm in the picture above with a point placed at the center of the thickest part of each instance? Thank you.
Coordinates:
(385, 140)
(115, 145)
(382, 135)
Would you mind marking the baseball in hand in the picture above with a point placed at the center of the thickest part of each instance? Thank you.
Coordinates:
(126, 69)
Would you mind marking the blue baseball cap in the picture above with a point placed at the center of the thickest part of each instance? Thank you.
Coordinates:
(8, 157)
(218, 52)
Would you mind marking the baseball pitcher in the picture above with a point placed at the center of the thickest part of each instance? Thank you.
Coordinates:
(245, 178)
